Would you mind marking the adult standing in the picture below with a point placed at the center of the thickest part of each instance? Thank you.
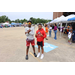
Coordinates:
(29, 32)
(46, 31)
(50, 30)
(55, 31)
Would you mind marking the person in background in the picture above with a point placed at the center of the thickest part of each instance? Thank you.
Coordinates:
(29, 32)
(69, 36)
(48, 26)
(40, 35)
(55, 31)
(59, 27)
(68, 26)
(64, 29)
(46, 31)
(50, 30)
(53, 27)
(67, 29)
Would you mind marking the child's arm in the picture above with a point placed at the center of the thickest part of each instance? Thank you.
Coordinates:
(26, 32)
(44, 36)
(32, 33)
(36, 34)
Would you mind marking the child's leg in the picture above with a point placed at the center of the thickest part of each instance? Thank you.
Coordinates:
(69, 40)
(33, 43)
(42, 56)
(27, 50)
(38, 49)
(34, 51)
(28, 45)
(42, 50)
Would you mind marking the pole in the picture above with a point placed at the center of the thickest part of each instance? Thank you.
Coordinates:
(66, 24)
(60, 30)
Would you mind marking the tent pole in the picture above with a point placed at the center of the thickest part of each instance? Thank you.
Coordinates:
(66, 24)
(60, 29)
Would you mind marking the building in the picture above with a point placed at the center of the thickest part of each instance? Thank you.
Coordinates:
(58, 14)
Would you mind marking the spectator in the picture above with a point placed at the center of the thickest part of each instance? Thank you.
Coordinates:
(55, 31)
(46, 31)
(69, 36)
(50, 30)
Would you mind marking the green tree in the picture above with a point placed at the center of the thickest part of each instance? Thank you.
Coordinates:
(34, 20)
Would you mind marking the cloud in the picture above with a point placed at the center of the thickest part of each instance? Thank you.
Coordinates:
(27, 15)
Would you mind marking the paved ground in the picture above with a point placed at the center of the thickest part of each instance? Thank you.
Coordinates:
(12, 47)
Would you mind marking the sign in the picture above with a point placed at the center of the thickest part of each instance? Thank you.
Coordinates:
(48, 47)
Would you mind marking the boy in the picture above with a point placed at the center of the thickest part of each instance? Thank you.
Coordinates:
(69, 36)
(29, 31)
(40, 35)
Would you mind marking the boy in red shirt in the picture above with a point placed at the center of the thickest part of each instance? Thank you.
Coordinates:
(40, 35)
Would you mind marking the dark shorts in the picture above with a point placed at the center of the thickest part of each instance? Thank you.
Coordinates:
(40, 43)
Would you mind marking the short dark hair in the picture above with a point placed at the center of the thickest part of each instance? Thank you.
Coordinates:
(46, 25)
(55, 24)
(29, 21)
(40, 24)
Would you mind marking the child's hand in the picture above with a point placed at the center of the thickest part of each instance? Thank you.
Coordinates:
(41, 35)
(35, 34)
(29, 30)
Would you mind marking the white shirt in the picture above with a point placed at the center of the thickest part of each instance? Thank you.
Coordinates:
(31, 33)
(50, 28)
(69, 35)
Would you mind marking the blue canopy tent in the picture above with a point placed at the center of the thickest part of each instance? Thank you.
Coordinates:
(16, 24)
(20, 24)
(71, 19)
(1, 26)
(13, 24)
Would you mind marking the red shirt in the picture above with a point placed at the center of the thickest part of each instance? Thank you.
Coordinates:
(40, 38)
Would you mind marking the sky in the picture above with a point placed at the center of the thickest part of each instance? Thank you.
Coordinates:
(27, 15)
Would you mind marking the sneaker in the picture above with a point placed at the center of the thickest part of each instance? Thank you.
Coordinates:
(38, 55)
(26, 57)
(42, 56)
(35, 55)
